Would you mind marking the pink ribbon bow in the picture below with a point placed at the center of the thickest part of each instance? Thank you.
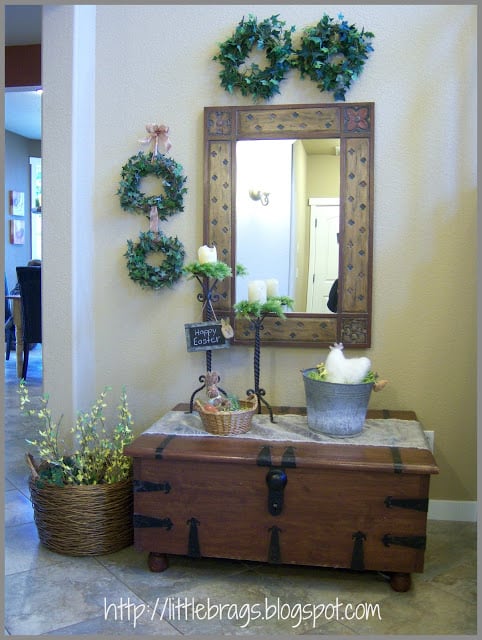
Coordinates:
(157, 132)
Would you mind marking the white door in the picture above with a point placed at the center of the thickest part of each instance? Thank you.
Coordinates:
(323, 259)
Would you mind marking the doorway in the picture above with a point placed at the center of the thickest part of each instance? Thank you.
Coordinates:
(323, 262)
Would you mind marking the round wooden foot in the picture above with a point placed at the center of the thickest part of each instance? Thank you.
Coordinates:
(400, 581)
(157, 562)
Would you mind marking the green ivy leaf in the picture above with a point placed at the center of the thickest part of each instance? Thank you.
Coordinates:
(267, 35)
(327, 40)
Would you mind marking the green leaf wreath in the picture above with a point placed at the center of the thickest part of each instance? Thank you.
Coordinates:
(269, 36)
(333, 54)
(163, 205)
(155, 277)
(168, 170)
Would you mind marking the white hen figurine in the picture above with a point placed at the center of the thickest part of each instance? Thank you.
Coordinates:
(344, 370)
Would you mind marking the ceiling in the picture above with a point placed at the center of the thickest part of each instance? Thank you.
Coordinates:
(23, 25)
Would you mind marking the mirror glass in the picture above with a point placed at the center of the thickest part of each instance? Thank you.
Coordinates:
(287, 217)
(288, 194)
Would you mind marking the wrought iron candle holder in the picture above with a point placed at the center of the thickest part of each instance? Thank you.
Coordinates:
(257, 324)
(207, 296)
(256, 312)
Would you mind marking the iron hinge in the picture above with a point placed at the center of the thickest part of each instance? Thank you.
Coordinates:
(418, 504)
(414, 542)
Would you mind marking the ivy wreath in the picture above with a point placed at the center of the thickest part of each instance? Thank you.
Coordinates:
(268, 35)
(155, 277)
(161, 166)
(332, 54)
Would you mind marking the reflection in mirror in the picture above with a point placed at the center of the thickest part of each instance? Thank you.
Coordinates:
(262, 217)
(287, 217)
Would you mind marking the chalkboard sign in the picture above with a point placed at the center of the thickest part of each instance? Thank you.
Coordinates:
(205, 336)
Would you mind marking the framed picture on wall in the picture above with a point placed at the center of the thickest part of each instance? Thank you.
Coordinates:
(17, 232)
(17, 203)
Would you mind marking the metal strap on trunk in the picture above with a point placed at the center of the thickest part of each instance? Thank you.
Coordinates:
(193, 548)
(274, 552)
(141, 486)
(397, 460)
(418, 504)
(145, 522)
(414, 542)
(357, 558)
(264, 457)
(163, 445)
(289, 460)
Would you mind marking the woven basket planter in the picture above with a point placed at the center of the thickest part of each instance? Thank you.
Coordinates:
(229, 423)
(84, 520)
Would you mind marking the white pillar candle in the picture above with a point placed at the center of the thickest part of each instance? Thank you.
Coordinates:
(207, 254)
(272, 287)
(257, 291)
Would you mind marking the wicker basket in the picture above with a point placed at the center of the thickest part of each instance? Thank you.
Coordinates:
(84, 520)
(229, 423)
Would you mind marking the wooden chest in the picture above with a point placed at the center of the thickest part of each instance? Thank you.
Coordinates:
(326, 503)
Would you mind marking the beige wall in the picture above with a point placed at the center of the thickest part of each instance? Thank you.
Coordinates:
(323, 176)
(154, 64)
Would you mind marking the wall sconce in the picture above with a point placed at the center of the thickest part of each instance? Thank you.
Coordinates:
(261, 196)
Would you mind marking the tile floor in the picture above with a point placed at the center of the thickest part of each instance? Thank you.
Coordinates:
(50, 594)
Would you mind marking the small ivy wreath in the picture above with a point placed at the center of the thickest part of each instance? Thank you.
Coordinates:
(267, 35)
(161, 166)
(147, 275)
(333, 54)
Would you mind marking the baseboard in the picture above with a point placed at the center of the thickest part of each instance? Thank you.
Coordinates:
(458, 510)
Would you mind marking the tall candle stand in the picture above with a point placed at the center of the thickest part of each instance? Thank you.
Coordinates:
(257, 324)
(256, 312)
(207, 296)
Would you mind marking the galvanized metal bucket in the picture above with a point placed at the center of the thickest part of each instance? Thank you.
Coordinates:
(336, 409)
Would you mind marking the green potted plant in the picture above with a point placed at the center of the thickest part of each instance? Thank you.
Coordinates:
(338, 392)
(82, 498)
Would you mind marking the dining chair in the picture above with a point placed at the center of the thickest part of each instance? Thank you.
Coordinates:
(9, 324)
(30, 284)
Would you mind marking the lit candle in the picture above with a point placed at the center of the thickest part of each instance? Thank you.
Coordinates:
(207, 254)
(257, 291)
(272, 287)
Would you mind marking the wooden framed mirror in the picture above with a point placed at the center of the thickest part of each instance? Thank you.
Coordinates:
(348, 128)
